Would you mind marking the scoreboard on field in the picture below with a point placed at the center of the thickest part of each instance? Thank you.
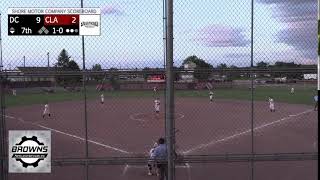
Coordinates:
(54, 21)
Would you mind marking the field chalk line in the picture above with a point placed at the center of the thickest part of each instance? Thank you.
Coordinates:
(201, 146)
(71, 135)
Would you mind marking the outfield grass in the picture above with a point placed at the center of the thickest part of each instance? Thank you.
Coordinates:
(280, 94)
(301, 96)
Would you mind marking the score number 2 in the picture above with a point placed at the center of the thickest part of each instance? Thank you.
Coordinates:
(74, 20)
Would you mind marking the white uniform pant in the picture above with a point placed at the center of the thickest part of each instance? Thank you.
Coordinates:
(271, 106)
(46, 111)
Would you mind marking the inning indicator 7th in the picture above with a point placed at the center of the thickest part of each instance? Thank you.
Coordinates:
(54, 21)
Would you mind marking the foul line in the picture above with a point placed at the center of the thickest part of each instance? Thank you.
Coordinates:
(242, 133)
(71, 135)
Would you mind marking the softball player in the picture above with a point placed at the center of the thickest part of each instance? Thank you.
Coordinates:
(211, 96)
(101, 98)
(271, 104)
(14, 92)
(292, 90)
(155, 91)
(46, 110)
(157, 105)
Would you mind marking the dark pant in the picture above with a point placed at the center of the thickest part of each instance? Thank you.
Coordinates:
(151, 165)
(163, 171)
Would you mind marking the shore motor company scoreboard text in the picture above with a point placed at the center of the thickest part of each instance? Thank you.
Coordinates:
(54, 21)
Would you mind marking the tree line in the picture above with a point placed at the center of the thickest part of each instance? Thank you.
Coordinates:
(202, 70)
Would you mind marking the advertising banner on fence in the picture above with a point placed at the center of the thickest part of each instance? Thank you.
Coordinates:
(29, 151)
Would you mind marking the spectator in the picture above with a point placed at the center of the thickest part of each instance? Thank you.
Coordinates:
(160, 153)
(316, 102)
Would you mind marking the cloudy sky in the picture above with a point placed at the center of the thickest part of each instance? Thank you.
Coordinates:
(217, 31)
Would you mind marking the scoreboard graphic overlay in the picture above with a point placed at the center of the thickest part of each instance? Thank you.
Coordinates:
(54, 21)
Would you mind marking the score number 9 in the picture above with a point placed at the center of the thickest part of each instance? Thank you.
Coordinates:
(38, 19)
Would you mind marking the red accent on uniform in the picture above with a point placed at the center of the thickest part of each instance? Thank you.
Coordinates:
(53, 20)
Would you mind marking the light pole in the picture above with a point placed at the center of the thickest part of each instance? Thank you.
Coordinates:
(3, 170)
(1, 65)
(169, 112)
(24, 65)
(48, 66)
(48, 54)
(24, 61)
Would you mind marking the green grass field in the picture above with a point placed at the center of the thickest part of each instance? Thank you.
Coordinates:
(280, 94)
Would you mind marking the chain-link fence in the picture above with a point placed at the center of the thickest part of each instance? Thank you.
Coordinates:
(236, 90)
